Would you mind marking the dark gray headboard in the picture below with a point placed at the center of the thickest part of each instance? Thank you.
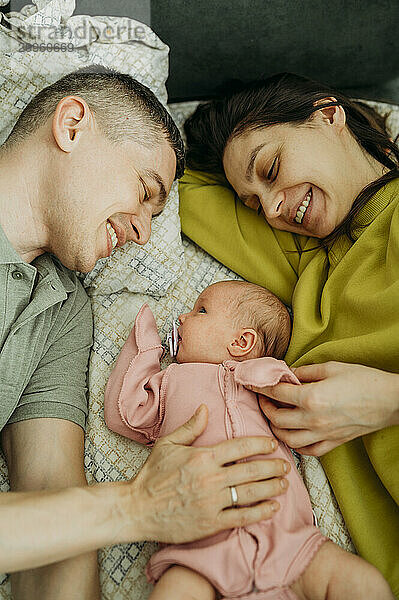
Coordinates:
(351, 44)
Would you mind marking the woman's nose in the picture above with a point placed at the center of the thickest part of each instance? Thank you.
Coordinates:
(272, 205)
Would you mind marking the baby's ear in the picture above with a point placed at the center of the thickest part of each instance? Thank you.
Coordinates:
(243, 343)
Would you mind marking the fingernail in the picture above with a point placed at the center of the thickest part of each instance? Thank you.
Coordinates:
(285, 467)
(275, 506)
(274, 445)
(283, 483)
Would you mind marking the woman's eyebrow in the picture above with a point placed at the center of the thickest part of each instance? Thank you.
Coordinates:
(250, 169)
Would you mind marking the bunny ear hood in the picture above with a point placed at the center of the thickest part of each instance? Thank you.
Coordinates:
(261, 372)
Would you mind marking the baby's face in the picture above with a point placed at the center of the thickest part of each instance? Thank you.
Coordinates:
(206, 331)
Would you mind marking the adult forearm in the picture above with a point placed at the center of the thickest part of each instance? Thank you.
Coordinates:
(39, 528)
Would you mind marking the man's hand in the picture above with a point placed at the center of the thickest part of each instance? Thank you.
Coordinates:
(337, 403)
(183, 493)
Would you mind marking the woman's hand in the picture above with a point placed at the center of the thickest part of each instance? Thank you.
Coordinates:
(183, 493)
(337, 403)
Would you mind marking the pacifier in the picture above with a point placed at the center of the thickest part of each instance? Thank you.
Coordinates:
(172, 339)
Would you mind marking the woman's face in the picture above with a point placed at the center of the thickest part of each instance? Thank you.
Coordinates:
(304, 178)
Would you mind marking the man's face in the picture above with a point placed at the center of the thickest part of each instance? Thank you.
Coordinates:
(102, 182)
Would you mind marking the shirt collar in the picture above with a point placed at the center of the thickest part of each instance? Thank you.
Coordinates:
(373, 207)
(58, 273)
(46, 262)
(367, 214)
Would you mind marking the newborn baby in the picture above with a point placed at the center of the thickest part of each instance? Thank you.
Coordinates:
(231, 339)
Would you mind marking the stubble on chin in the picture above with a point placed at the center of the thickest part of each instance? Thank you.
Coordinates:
(77, 259)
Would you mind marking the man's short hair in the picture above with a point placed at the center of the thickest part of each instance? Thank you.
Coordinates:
(123, 108)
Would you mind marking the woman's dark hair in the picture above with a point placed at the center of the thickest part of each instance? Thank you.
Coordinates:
(285, 98)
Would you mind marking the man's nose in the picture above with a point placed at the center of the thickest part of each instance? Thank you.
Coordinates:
(140, 227)
(272, 205)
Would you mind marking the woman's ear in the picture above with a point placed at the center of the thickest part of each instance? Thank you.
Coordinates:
(243, 343)
(332, 115)
(71, 118)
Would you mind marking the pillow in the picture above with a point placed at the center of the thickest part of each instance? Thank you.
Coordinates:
(44, 42)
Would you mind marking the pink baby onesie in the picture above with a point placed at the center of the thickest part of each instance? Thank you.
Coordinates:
(143, 403)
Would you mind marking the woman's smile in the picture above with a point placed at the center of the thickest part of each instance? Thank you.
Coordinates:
(307, 211)
(310, 216)
(302, 212)
(294, 194)
(303, 207)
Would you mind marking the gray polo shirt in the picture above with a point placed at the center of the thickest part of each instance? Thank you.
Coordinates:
(46, 331)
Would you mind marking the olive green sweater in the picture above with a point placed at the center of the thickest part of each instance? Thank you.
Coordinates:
(346, 308)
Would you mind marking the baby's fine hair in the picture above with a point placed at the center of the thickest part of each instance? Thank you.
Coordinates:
(261, 310)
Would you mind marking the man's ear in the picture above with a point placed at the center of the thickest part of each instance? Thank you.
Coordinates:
(243, 343)
(332, 115)
(71, 118)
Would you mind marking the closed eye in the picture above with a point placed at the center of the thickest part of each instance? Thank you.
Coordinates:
(146, 194)
(272, 174)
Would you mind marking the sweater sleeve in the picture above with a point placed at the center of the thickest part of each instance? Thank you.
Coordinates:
(261, 372)
(132, 404)
(215, 219)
